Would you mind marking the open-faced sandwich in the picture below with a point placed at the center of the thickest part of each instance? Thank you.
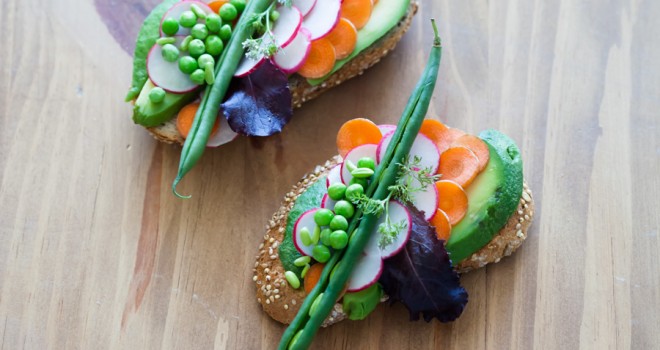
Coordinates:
(206, 71)
(395, 216)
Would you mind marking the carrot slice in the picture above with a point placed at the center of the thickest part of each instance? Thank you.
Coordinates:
(442, 226)
(460, 165)
(216, 5)
(312, 277)
(452, 200)
(343, 38)
(320, 61)
(357, 11)
(476, 145)
(356, 132)
(185, 118)
(440, 134)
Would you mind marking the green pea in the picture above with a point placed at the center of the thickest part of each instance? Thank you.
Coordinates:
(361, 182)
(239, 5)
(350, 165)
(321, 253)
(187, 64)
(213, 23)
(354, 190)
(274, 15)
(316, 235)
(196, 48)
(198, 11)
(157, 95)
(225, 32)
(209, 74)
(170, 53)
(292, 279)
(325, 236)
(228, 12)
(199, 31)
(305, 236)
(345, 209)
(315, 304)
(164, 41)
(188, 19)
(304, 271)
(198, 76)
(338, 223)
(302, 261)
(292, 343)
(339, 239)
(322, 217)
(205, 59)
(186, 43)
(170, 26)
(362, 173)
(367, 162)
(214, 45)
(336, 191)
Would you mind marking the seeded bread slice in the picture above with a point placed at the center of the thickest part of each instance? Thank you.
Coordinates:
(302, 91)
(282, 302)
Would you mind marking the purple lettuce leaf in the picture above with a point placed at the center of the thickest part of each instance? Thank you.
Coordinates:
(421, 276)
(259, 104)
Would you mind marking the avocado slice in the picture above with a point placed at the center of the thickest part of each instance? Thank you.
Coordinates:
(151, 114)
(492, 198)
(358, 305)
(384, 16)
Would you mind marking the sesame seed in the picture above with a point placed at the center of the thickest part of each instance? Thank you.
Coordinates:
(525, 206)
(521, 220)
(293, 301)
(271, 298)
(267, 301)
(276, 291)
(526, 196)
(271, 240)
(520, 212)
(277, 296)
(268, 278)
(261, 246)
(254, 278)
(268, 287)
(266, 270)
(286, 307)
(526, 217)
(518, 226)
(519, 234)
(273, 257)
(258, 300)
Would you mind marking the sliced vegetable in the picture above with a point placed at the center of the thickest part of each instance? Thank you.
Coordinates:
(327, 202)
(312, 277)
(305, 6)
(334, 176)
(386, 128)
(224, 134)
(293, 56)
(356, 132)
(425, 200)
(423, 148)
(343, 38)
(357, 153)
(460, 165)
(366, 272)
(322, 18)
(304, 226)
(287, 25)
(452, 200)
(216, 5)
(185, 118)
(441, 135)
(178, 9)
(320, 60)
(384, 241)
(247, 66)
(442, 226)
(167, 75)
(476, 145)
(357, 11)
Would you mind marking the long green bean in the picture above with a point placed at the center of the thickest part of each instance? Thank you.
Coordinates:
(385, 176)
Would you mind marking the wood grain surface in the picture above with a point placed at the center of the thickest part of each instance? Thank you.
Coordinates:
(95, 252)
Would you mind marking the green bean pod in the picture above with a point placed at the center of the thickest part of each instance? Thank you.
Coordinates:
(195, 143)
(385, 176)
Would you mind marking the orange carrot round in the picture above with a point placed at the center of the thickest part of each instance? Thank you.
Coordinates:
(452, 200)
(357, 11)
(356, 132)
(440, 134)
(216, 5)
(320, 61)
(460, 165)
(185, 118)
(476, 145)
(312, 277)
(442, 226)
(343, 38)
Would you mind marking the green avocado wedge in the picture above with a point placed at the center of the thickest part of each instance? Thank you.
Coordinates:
(385, 16)
(149, 114)
(149, 33)
(492, 198)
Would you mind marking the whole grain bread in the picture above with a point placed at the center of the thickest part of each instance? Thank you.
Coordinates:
(282, 302)
(302, 91)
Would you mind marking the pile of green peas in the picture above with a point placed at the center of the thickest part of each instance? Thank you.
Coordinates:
(209, 33)
(330, 234)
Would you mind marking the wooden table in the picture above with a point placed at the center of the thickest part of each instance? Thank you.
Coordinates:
(96, 253)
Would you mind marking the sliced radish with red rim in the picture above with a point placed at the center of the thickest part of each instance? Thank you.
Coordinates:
(179, 8)
(323, 18)
(327, 202)
(399, 215)
(167, 75)
(305, 220)
(422, 147)
(224, 134)
(293, 56)
(334, 176)
(366, 272)
(354, 155)
(386, 128)
(425, 200)
(287, 25)
(305, 6)
(247, 66)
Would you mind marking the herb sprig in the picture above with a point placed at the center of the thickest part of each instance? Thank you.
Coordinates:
(265, 45)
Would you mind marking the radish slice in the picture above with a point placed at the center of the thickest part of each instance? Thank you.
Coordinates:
(287, 25)
(167, 75)
(327, 202)
(323, 18)
(386, 128)
(305, 220)
(366, 272)
(334, 176)
(354, 155)
(305, 6)
(247, 66)
(293, 56)
(426, 200)
(398, 214)
(179, 8)
(224, 134)
(422, 147)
